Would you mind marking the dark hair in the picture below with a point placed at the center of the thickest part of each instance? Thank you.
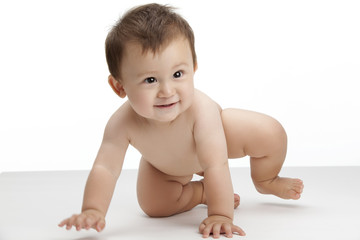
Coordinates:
(152, 26)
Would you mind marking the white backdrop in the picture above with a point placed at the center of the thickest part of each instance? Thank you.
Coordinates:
(298, 61)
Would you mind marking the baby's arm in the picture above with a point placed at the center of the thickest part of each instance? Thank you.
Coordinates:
(102, 180)
(212, 153)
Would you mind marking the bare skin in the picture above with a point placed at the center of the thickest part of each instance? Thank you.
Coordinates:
(264, 140)
(180, 131)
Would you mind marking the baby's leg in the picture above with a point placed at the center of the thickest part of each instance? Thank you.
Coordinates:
(264, 140)
(162, 195)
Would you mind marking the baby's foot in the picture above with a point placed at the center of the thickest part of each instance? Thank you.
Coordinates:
(286, 188)
(236, 198)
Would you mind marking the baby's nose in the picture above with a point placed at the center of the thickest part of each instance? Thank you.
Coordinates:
(166, 90)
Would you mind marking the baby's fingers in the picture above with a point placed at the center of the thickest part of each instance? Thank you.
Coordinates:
(89, 222)
(69, 222)
(205, 230)
(96, 223)
(216, 230)
(100, 225)
(80, 222)
(63, 223)
(228, 231)
(236, 229)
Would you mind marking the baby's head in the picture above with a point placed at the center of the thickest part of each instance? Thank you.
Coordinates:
(152, 26)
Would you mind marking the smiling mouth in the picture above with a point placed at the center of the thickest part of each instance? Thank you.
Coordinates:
(166, 105)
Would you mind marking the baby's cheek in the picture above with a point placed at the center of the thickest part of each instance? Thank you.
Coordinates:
(142, 106)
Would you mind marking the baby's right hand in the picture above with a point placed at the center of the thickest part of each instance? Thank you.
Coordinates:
(86, 220)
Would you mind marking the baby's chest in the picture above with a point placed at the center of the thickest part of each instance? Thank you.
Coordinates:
(169, 145)
(171, 151)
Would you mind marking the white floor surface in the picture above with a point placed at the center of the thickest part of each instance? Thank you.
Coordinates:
(33, 203)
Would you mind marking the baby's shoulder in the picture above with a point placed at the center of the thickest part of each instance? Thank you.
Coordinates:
(121, 118)
(203, 102)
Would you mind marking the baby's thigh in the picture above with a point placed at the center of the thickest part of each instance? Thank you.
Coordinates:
(239, 128)
(158, 192)
(251, 133)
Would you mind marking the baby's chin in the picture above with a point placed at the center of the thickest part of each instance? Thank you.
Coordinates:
(169, 113)
(166, 119)
(165, 114)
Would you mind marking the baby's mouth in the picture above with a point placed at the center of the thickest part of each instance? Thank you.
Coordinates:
(166, 105)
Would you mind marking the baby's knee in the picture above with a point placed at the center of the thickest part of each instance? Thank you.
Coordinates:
(154, 208)
(151, 211)
(280, 140)
(160, 202)
(276, 130)
(278, 127)
(270, 132)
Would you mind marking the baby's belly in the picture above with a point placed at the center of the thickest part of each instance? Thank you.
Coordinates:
(185, 165)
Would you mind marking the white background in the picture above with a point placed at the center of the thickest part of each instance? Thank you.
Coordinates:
(298, 61)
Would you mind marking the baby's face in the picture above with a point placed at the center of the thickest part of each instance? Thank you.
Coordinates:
(159, 86)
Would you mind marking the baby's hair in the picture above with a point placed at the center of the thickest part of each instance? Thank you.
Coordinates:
(152, 26)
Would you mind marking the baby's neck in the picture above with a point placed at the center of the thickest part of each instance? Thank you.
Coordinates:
(160, 124)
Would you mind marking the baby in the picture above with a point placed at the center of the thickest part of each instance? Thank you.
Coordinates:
(179, 131)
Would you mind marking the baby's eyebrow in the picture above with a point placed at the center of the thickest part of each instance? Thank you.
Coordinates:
(183, 64)
(150, 72)
(145, 74)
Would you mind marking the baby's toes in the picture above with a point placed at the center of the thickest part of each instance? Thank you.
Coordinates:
(298, 185)
(294, 195)
(296, 189)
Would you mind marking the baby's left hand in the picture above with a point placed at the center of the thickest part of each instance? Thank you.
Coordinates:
(217, 225)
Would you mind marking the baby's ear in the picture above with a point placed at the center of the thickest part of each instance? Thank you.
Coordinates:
(117, 87)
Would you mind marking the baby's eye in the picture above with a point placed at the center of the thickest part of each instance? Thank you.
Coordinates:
(178, 74)
(150, 80)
